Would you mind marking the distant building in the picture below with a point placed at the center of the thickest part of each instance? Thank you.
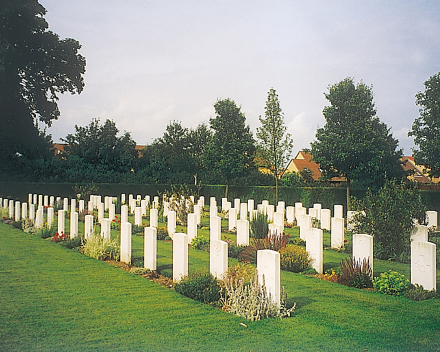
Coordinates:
(417, 173)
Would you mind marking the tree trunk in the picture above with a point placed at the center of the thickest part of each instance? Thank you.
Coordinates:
(227, 189)
(348, 195)
(276, 189)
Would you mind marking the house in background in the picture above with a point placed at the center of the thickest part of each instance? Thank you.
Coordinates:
(417, 173)
(303, 161)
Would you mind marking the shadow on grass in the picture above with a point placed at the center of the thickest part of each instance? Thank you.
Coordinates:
(330, 265)
(300, 301)
(165, 270)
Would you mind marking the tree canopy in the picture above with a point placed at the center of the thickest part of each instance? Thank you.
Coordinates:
(353, 142)
(232, 147)
(35, 66)
(426, 128)
(274, 142)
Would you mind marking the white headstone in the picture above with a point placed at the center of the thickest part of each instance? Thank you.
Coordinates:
(171, 223)
(192, 227)
(243, 211)
(112, 211)
(314, 245)
(215, 228)
(138, 216)
(124, 213)
(213, 207)
(326, 215)
(100, 211)
(363, 248)
(51, 201)
(338, 211)
(432, 218)
(81, 206)
(218, 259)
(61, 221)
(126, 242)
(150, 248)
(11, 209)
(198, 212)
(242, 232)
(180, 256)
(106, 229)
(278, 219)
(337, 233)
(17, 214)
(318, 206)
(46, 201)
(224, 201)
(66, 204)
(153, 217)
(268, 269)
(237, 203)
(251, 205)
(88, 226)
(270, 210)
(72, 205)
(305, 224)
(313, 212)
(50, 216)
(39, 222)
(232, 219)
(420, 233)
(32, 212)
(73, 224)
(24, 211)
(423, 264)
(290, 214)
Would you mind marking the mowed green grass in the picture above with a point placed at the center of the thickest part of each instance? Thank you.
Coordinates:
(55, 299)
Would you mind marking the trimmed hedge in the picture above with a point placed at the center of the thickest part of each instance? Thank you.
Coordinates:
(327, 196)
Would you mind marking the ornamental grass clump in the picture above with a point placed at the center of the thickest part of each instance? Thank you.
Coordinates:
(273, 242)
(100, 248)
(294, 258)
(391, 283)
(259, 226)
(252, 301)
(356, 273)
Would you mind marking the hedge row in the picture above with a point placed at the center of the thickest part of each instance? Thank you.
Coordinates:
(327, 196)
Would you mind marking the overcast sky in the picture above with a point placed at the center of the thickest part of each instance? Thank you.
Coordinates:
(152, 62)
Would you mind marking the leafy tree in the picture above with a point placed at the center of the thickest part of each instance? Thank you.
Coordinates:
(426, 128)
(388, 215)
(35, 66)
(354, 143)
(274, 142)
(98, 150)
(232, 147)
(198, 139)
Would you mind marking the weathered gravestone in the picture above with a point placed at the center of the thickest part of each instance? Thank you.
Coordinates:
(420, 233)
(432, 218)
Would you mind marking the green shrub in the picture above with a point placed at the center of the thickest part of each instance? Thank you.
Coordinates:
(139, 271)
(46, 232)
(241, 271)
(200, 243)
(162, 233)
(259, 226)
(294, 258)
(391, 283)
(100, 248)
(234, 250)
(417, 293)
(136, 229)
(355, 273)
(74, 243)
(201, 287)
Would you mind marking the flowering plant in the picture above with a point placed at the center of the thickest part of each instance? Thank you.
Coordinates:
(60, 237)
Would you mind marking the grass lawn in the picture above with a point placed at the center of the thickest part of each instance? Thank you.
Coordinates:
(55, 299)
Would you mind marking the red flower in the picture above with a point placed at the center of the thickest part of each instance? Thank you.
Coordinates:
(288, 235)
(345, 240)
(4, 217)
(119, 221)
(113, 220)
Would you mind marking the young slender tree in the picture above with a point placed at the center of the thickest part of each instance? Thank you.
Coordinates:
(354, 143)
(232, 147)
(273, 140)
(426, 128)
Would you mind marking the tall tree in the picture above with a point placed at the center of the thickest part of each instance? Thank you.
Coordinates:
(354, 143)
(426, 128)
(99, 148)
(274, 142)
(35, 66)
(232, 147)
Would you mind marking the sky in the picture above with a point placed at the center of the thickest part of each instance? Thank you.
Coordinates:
(153, 62)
